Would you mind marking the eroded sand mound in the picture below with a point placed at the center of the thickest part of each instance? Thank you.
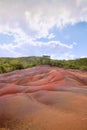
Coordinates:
(43, 98)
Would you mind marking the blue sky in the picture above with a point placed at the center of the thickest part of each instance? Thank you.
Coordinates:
(51, 27)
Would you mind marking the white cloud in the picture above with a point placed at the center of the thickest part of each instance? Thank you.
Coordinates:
(8, 51)
(40, 16)
(51, 36)
(66, 55)
(27, 21)
(25, 46)
(83, 57)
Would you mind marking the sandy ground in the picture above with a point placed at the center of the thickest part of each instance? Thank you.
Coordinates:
(43, 98)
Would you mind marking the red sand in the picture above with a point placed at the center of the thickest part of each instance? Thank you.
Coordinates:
(43, 98)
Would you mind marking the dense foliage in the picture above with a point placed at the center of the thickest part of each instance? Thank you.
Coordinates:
(10, 64)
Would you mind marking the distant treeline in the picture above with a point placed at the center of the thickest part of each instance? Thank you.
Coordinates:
(10, 64)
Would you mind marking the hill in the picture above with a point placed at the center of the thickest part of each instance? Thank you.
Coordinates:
(11, 64)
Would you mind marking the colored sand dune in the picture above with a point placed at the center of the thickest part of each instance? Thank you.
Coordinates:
(43, 98)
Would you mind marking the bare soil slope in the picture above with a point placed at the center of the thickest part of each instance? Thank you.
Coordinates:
(43, 98)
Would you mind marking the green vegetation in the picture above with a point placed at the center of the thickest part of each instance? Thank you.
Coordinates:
(11, 64)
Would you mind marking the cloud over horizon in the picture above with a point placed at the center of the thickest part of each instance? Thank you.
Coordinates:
(28, 21)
